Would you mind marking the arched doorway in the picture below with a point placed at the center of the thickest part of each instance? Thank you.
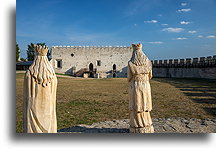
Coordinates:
(114, 70)
(91, 70)
(114, 67)
(114, 75)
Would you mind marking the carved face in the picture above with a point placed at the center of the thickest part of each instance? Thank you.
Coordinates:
(137, 46)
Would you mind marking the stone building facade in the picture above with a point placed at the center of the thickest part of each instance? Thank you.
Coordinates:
(91, 61)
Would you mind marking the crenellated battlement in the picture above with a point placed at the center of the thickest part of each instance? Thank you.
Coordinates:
(186, 63)
(93, 47)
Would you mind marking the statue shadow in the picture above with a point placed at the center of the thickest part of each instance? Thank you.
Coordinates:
(202, 91)
(81, 129)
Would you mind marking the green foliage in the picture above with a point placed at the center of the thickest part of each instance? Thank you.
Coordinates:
(31, 51)
(22, 59)
(17, 52)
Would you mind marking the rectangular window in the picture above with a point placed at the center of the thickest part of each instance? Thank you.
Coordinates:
(98, 62)
(59, 63)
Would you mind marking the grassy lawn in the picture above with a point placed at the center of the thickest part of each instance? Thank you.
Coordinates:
(84, 101)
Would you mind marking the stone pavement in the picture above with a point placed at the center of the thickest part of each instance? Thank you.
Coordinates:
(161, 125)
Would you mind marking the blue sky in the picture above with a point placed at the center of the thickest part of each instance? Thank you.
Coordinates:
(167, 28)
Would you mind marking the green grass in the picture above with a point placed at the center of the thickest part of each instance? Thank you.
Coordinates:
(85, 101)
(62, 74)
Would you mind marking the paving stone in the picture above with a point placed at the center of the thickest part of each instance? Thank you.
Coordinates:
(161, 125)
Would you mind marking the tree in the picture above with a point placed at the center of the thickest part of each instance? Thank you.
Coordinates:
(31, 51)
(17, 52)
(22, 59)
(49, 54)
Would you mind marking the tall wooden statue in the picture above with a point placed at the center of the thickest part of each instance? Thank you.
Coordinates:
(140, 104)
(40, 83)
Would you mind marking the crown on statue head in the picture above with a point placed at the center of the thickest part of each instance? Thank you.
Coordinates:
(137, 46)
(41, 50)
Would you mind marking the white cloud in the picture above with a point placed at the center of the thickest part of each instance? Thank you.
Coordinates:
(181, 38)
(184, 10)
(183, 4)
(164, 24)
(192, 31)
(152, 21)
(176, 30)
(157, 42)
(184, 22)
(210, 36)
(200, 36)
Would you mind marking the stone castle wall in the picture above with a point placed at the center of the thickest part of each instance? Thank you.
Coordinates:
(76, 60)
(72, 59)
(203, 67)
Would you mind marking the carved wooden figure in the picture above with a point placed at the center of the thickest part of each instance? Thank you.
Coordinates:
(40, 83)
(140, 103)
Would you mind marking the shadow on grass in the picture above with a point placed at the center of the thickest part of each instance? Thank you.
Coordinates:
(211, 110)
(195, 89)
(201, 91)
(80, 129)
(204, 101)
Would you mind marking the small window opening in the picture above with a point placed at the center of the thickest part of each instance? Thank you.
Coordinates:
(98, 62)
(59, 63)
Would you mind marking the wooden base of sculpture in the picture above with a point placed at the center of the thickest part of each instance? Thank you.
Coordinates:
(141, 122)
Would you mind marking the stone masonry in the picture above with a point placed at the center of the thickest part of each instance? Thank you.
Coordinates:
(203, 67)
(109, 61)
(96, 61)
